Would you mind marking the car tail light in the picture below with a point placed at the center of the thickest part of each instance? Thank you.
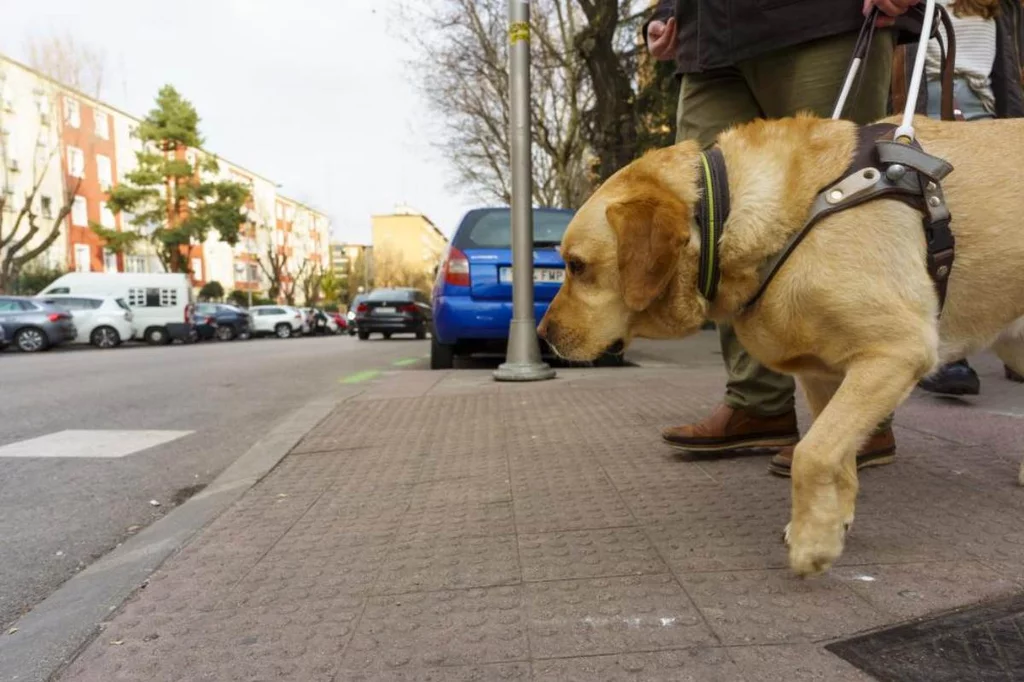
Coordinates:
(456, 268)
(407, 308)
(362, 308)
(56, 317)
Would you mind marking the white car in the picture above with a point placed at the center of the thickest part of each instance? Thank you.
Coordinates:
(280, 320)
(103, 321)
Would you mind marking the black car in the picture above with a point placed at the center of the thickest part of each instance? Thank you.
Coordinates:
(225, 322)
(393, 311)
(350, 317)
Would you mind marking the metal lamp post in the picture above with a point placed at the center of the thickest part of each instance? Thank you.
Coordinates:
(523, 360)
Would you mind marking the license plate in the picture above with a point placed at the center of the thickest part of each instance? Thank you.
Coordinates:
(384, 310)
(555, 275)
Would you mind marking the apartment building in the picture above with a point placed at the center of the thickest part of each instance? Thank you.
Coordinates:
(77, 147)
(407, 247)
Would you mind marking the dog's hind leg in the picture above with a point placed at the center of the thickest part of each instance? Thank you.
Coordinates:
(1009, 347)
(824, 463)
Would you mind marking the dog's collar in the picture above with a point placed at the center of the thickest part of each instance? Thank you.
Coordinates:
(711, 212)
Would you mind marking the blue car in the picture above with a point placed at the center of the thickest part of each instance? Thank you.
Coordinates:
(472, 298)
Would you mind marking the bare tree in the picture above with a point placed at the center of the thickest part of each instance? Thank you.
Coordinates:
(66, 60)
(391, 269)
(30, 221)
(462, 64)
(585, 88)
(312, 283)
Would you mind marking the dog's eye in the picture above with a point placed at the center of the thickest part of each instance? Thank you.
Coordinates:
(576, 267)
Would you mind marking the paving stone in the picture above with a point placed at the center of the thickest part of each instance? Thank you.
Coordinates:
(426, 564)
(449, 628)
(738, 541)
(685, 665)
(298, 640)
(794, 663)
(511, 672)
(763, 607)
(912, 590)
(588, 554)
(442, 520)
(612, 615)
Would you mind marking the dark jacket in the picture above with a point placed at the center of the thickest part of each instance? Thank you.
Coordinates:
(717, 33)
(1006, 70)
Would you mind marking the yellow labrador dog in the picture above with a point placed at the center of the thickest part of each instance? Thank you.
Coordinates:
(852, 313)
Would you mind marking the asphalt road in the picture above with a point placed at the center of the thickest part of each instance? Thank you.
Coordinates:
(57, 515)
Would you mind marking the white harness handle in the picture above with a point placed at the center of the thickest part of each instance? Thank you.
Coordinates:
(906, 127)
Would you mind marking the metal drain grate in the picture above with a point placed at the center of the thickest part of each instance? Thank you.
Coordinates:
(983, 643)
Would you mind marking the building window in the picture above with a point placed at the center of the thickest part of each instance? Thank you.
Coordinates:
(76, 162)
(197, 268)
(106, 216)
(109, 260)
(83, 258)
(254, 272)
(102, 125)
(80, 211)
(72, 112)
(134, 263)
(46, 206)
(104, 171)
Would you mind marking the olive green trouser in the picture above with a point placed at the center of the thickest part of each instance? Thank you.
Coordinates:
(806, 77)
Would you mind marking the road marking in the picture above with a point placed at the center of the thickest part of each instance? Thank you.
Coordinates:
(90, 444)
(404, 362)
(360, 377)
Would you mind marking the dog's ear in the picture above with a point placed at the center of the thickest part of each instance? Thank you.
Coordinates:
(650, 235)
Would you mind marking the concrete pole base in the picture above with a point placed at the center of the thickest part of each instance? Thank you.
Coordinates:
(523, 362)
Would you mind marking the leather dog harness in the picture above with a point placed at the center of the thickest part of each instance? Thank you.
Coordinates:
(881, 169)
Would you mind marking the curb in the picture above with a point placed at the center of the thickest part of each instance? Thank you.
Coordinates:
(50, 635)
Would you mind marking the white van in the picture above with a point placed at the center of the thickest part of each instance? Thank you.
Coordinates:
(161, 303)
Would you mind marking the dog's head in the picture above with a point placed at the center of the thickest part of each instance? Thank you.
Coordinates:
(631, 260)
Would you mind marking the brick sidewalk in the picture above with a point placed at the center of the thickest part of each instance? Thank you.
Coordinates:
(442, 526)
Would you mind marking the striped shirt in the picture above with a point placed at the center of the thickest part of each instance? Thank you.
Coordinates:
(975, 54)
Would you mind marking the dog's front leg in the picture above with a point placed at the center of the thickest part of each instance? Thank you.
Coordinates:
(824, 463)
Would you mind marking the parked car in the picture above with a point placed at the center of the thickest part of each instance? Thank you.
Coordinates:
(280, 320)
(340, 321)
(393, 311)
(472, 297)
(350, 316)
(3, 338)
(103, 321)
(223, 321)
(160, 302)
(320, 322)
(34, 325)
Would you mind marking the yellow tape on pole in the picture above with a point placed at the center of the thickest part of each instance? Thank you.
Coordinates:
(518, 31)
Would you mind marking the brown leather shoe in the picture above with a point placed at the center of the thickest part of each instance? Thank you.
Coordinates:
(880, 449)
(727, 429)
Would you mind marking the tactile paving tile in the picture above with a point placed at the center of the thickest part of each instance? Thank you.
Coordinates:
(723, 543)
(442, 520)
(498, 672)
(912, 590)
(588, 554)
(685, 665)
(426, 564)
(794, 663)
(612, 615)
(589, 504)
(296, 640)
(770, 607)
(449, 628)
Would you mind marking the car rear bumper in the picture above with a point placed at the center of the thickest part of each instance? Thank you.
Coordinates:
(458, 318)
(390, 324)
(58, 334)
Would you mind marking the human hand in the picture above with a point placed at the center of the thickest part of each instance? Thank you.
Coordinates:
(661, 39)
(891, 8)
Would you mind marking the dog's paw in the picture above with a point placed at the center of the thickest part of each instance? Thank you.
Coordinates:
(813, 549)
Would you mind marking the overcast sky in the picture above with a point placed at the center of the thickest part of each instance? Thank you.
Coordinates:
(310, 93)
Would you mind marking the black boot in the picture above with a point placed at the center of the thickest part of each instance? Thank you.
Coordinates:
(955, 378)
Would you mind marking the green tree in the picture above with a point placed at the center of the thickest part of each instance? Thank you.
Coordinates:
(174, 202)
(212, 291)
(330, 287)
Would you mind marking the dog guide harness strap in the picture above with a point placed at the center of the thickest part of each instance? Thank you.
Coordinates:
(881, 168)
